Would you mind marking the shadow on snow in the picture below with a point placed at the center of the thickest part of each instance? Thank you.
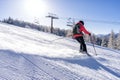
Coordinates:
(88, 62)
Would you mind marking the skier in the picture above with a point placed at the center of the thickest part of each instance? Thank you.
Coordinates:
(78, 35)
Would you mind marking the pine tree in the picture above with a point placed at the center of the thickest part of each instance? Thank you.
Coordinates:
(104, 42)
(118, 41)
(111, 41)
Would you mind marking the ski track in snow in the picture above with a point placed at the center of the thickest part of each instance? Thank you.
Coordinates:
(43, 71)
(27, 54)
(56, 69)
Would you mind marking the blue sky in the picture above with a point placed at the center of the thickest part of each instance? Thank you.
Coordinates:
(87, 10)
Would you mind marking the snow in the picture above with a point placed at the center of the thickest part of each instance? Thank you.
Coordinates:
(27, 54)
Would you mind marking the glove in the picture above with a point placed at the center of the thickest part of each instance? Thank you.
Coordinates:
(89, 34)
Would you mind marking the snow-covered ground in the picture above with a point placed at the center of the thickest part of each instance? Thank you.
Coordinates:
(27, 54)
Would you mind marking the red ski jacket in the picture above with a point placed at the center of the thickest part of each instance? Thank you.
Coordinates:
(82, 29)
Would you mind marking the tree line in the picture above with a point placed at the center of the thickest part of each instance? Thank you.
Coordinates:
(57, 31)
(110, 40)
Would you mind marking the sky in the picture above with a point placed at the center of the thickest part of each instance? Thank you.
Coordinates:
(99, 16)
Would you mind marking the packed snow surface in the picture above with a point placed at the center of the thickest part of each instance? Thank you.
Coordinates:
(27, 54)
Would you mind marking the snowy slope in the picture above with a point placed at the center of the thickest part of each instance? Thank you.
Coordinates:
(27, 54)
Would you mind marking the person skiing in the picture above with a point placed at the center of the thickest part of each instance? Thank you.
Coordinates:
(78, 35)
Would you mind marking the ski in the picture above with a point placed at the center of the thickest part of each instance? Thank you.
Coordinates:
(86, 53)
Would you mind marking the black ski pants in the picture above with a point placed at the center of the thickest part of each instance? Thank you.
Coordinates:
(82, 43)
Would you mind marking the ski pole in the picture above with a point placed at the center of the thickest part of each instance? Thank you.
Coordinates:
(93, 45)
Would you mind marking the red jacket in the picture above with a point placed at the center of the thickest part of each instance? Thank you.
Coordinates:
(82, 29)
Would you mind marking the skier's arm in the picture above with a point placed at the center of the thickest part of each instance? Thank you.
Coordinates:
(84, 30)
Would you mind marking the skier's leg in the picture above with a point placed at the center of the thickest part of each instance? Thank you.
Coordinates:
(81, 48)
(81, 45)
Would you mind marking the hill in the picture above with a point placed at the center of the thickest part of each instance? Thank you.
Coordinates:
(27, 54)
